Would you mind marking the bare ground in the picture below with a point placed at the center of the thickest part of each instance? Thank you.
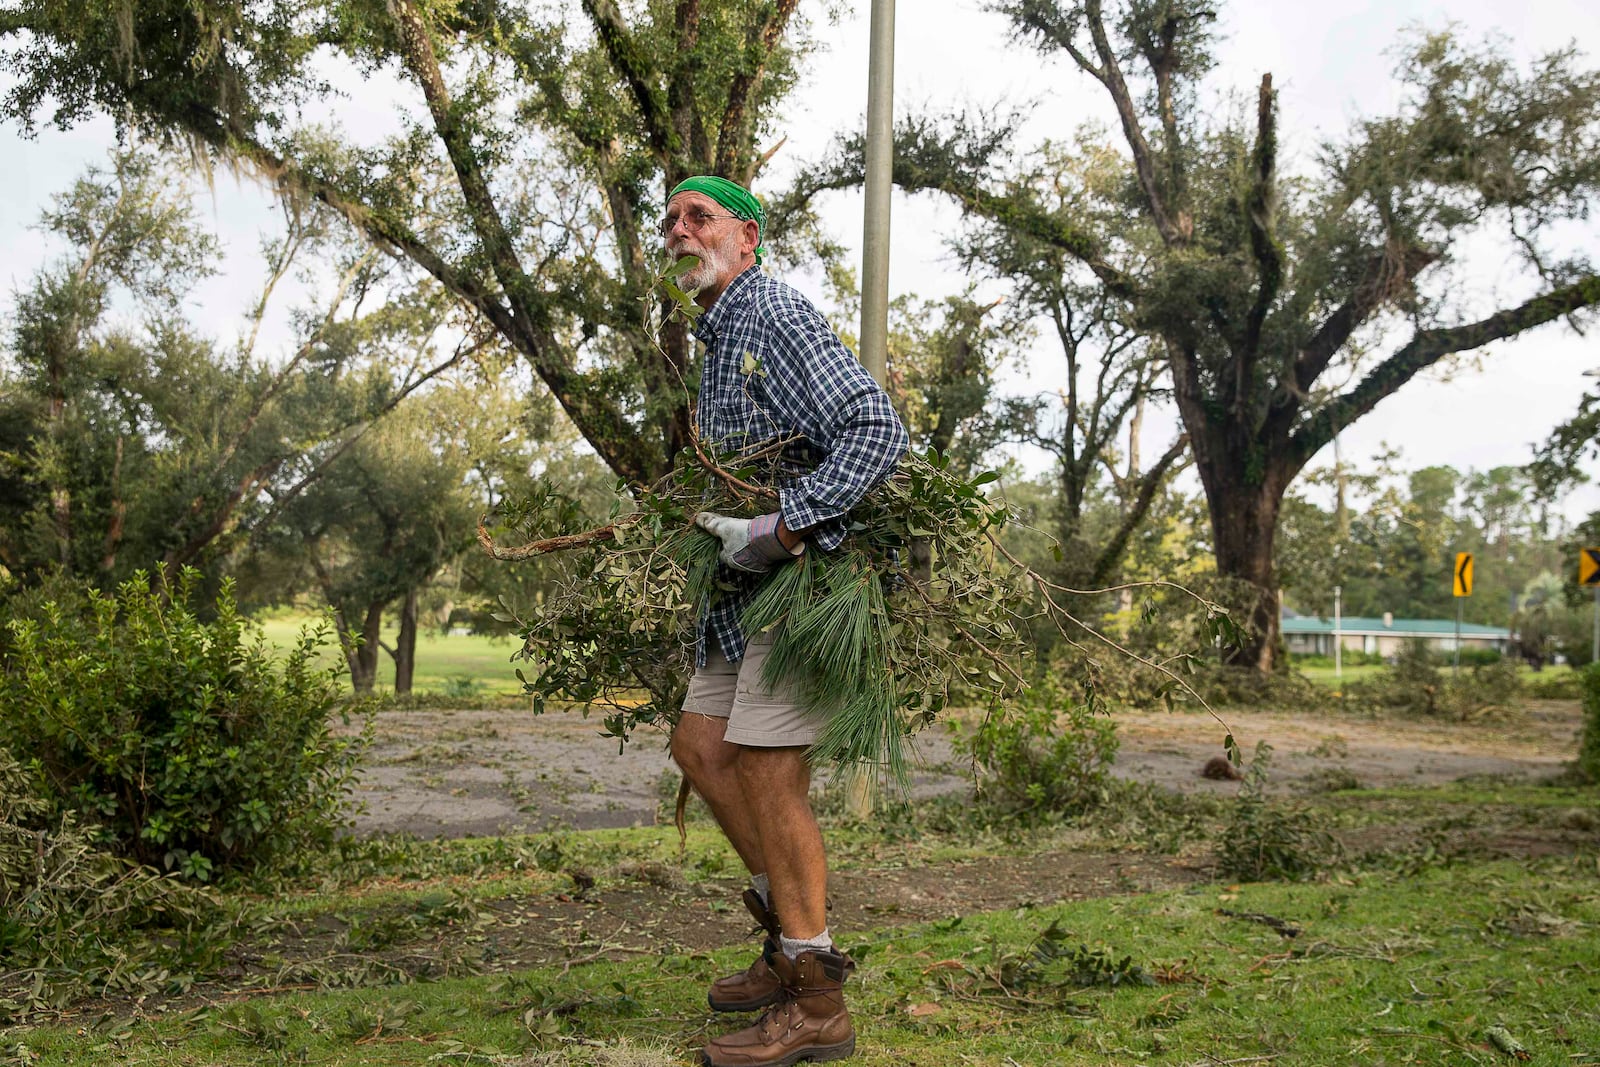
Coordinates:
(461, 773)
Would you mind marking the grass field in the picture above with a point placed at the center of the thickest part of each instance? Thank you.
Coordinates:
(457, 663)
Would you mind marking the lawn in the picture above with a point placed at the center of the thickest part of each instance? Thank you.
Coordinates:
(1323, 674)
(1461, 963)
(1424, 949)
(462, 664)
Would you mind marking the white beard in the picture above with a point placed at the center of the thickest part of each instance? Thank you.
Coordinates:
(715, 261)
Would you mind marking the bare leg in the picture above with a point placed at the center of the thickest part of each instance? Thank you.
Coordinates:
(711, 766)
(775, 784)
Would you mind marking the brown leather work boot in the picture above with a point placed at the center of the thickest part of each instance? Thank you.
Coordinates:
(757, 985)
(809, 1022)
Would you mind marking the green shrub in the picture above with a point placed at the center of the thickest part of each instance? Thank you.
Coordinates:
(1225, 685)
(1479, 657)
(182, 742)
(1265, 841)
(1589, 745)
(1047, 755)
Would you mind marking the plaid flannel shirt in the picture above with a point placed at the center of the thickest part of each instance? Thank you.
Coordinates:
(774, 368)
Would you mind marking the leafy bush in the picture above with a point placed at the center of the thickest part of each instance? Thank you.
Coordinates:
(76, 920)
(1224, 685)
(1046, 755)
(1589, 746)
(1265, 841)
(181, 742)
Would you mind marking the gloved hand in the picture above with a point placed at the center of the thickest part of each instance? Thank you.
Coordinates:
(749, 545)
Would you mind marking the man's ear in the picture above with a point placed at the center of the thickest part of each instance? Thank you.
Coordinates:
(749, 237)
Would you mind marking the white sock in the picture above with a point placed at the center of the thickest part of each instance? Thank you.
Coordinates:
(793, 946)
(758, 882)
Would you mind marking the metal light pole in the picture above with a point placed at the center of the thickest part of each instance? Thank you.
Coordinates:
(880, 166)
(875, 242)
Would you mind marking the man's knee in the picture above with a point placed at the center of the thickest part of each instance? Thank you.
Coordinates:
(698, 749)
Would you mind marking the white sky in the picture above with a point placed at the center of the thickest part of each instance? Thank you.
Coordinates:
(1330, 62)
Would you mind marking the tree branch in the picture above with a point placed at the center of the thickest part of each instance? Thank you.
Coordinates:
(417, 52)
(1390, 271)
(563, 543)
(681, 101)
(1111, 555)
(1427, 348)
(734, 128)
(1261, 211)
(629, 62)
(1143, 158)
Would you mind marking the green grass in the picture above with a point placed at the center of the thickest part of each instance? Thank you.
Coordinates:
(1324, 675)
(1386, 969)
(443, 661)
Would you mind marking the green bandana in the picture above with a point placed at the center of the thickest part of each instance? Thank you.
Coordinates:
(736, 198)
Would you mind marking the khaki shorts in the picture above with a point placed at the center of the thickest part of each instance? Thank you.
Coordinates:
(757, 716)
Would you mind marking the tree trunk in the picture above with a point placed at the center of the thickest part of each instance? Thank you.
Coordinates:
(364, 660)
(1244, 521)
(119, 515)
(405, 645)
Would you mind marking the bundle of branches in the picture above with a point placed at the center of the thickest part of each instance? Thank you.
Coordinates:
(874, 640)
(919, 607)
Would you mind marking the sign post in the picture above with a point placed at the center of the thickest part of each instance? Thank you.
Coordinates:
(1462, 587)
(1338, 641)
(1589, 574)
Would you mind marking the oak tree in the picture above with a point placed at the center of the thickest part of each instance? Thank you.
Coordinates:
(1287, 303)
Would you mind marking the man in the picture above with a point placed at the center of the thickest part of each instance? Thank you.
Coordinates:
(773, 368)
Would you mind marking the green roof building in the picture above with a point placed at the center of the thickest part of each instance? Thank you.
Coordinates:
(1309, 634)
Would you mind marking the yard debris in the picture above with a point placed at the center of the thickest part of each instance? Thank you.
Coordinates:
(1501, 1039)
(1282, 926)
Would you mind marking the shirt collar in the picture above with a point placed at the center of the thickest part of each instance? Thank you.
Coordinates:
(705, 327)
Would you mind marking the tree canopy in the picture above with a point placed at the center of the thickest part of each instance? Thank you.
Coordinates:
(521, 165)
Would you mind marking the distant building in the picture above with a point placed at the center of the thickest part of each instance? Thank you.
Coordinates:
(1310, 635)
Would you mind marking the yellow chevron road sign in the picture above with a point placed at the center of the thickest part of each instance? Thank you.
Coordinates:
(1463, 580)
(1589, 566)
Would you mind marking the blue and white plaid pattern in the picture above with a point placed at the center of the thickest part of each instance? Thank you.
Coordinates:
(775, 368)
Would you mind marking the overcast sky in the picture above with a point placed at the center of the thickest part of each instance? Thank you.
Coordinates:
(1331, 63)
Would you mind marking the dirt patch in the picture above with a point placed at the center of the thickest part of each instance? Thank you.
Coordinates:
(462, 773)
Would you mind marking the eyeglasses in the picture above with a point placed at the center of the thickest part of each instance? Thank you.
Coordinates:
(693, 220)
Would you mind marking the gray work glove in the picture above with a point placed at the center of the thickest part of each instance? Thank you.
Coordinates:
(749, 545)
